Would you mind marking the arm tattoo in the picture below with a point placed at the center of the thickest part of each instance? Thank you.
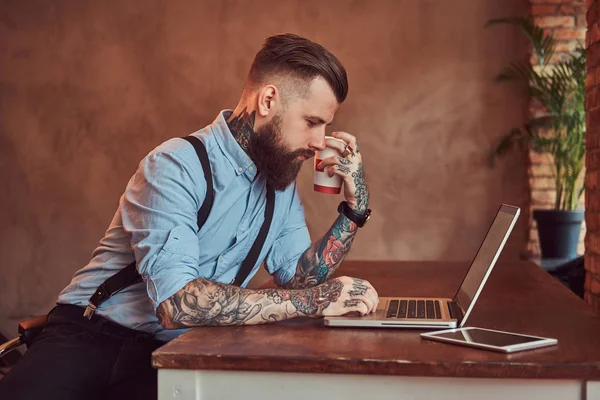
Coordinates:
(319, 261)
(308, 301)
(206, 303)
(202, 302)
(362, 192)
(242, 127)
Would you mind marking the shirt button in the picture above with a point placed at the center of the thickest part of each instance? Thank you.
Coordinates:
(242, 229)
(240, 169)
(251, 168)
(221, 259)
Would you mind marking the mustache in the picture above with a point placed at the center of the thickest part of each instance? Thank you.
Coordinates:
(302, 153)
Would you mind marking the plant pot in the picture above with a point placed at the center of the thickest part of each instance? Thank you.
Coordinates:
(559, 232)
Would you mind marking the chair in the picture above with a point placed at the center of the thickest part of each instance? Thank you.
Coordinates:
(28, 330)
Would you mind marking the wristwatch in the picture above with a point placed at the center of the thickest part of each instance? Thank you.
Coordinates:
(358, 219)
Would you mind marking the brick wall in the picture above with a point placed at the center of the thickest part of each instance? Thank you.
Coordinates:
(566, 19)
(592, 177)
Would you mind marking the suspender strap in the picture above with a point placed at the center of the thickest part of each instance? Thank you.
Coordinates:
(129, 275)
(250, 260)
(125, 277)
(210, 194)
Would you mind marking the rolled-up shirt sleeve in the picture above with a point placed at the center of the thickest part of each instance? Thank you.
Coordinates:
(292, 242)
(159, 209)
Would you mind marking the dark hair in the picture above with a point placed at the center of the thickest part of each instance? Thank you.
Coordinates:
(292, 55)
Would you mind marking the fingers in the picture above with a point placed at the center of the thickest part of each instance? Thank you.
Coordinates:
(376, 295)
(346, 137)
(335, 160)
(362, 290)
(356, 305)
(358, 295)
(373, 299)
(340, 170)
(336, 165)
(370, 303)
(371, 295)
(337, 144)
(362, 308)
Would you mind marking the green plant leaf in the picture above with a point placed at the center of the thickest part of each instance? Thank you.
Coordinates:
(559, 89)
(543, 46)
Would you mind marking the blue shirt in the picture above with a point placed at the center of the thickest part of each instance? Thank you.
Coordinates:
(156, 224)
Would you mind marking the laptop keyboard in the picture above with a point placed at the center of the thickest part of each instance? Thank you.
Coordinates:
(421, 309)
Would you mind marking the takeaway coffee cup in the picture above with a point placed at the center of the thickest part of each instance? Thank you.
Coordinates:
(322, 182)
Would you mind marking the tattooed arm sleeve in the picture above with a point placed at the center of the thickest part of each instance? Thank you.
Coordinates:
(318, 263)
(205, 303)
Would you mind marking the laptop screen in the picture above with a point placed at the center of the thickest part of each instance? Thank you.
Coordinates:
(485, 258)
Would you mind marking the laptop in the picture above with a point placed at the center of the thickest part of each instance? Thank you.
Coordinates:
(436, 312)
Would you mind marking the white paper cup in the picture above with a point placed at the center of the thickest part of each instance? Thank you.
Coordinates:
(322, 182)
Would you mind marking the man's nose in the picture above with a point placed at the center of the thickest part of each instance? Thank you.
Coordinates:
(319, 142)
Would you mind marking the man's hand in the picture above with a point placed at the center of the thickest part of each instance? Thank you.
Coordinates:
(351, 169)
(355, 295)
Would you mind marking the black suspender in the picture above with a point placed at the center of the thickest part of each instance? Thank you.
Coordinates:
(129, 275)
(210, 194)
(254, 252)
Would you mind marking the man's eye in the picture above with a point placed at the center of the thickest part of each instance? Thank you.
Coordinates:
(311, 124)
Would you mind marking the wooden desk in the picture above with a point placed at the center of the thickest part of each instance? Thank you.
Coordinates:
(302, 357)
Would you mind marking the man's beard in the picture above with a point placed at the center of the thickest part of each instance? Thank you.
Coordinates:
(272, 158)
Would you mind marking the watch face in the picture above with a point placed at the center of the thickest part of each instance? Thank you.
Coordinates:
(367, 216)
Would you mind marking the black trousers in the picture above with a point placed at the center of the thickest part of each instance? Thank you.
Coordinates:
(77, 358)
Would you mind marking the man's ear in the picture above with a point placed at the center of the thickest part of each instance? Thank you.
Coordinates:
(268, 99)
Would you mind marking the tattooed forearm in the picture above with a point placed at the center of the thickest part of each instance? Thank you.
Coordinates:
(307, 301)
(205, 303)
(362, 192)
(318, 263)
(242, 127)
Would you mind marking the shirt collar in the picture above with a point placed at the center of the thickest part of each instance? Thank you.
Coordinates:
(238, 158)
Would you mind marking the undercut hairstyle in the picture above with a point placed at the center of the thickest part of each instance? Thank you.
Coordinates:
(301, 60)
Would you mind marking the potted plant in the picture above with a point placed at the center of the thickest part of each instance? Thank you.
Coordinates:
(557, 130)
